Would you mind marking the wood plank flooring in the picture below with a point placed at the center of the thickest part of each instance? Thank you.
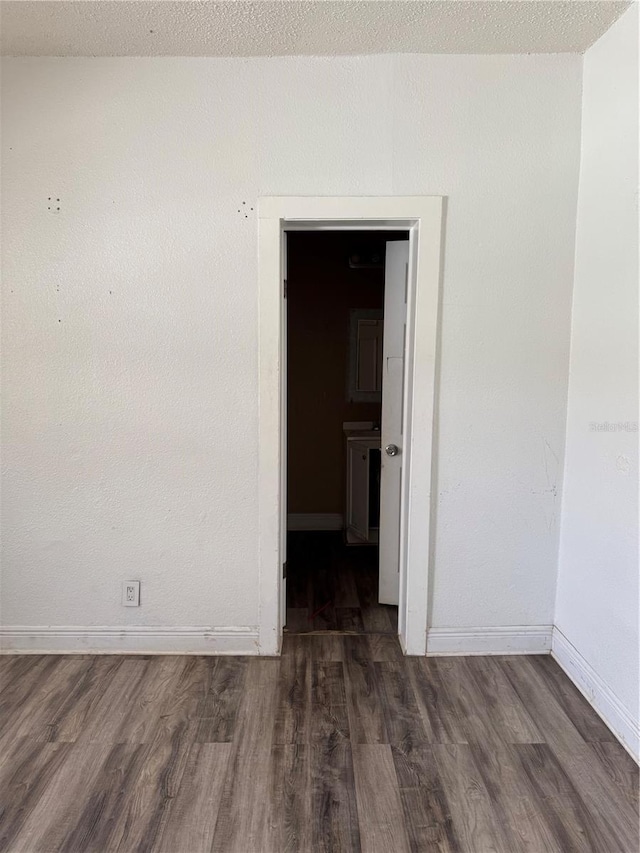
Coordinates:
(334, 587)
(340, 745)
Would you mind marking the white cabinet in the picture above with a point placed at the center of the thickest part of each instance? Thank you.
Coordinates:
(365, 356)
(363, 490)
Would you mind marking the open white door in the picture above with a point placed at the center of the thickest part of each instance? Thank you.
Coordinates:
(395, 319)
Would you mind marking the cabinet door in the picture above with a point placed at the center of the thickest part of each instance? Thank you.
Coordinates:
(358, 498)
(365, 356)
(369, 376)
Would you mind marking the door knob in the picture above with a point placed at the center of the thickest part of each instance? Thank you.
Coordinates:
(392, 450)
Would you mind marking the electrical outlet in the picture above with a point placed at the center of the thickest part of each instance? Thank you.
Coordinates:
(131, 593)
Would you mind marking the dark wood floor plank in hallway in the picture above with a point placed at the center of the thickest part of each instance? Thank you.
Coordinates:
(329, 713)
(426, 809)
(439, 715)
(567, 695)
(573, 754)
(621, 769)
(341, 744)
(244, 817)
(184, 708)
(71, 719)
(60, 808)
(334, 811)
(334, 587)
(24, 781)
(157, 683)
(193, 812)
(290, 803)
(107, 714)
(46, 689)
(456, 677)
(402, 720)
(511, 720)
(382, 647)
(515, 804)
(366, 714)
(25, 675)
(575, 828)
(219, 706)
(292, 722)
(382, 826)
(476, 822)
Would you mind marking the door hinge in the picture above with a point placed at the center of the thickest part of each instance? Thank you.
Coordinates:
(285, 288)
(284, 570)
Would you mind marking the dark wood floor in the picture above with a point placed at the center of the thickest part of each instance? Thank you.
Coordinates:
(334, 587)
(340, 745)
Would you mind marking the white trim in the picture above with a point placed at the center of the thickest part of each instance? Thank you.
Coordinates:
(334, 211)
(126, 639)
(315, 521)
(510, 640)
(422, 217)
(270, 506)
(599, 695)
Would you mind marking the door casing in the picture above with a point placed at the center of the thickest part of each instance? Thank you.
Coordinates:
(422, 217)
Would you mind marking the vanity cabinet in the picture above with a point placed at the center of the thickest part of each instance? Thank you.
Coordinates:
(363, 490)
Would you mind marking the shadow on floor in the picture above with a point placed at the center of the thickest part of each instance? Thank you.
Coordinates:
(334, 587)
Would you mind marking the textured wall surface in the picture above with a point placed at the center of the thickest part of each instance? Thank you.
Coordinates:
(312, 28)
(597, 605)
(130, 316)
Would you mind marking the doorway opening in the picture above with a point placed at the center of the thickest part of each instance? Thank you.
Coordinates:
(422, 217)
(345, 330)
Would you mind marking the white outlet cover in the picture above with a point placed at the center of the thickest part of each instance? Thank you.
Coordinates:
(131, 593)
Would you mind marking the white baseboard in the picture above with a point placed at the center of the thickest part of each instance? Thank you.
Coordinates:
(598, 694)
(314, 521)
(125, 639)
(511, 640)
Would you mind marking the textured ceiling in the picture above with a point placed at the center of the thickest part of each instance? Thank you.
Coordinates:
(311, 27)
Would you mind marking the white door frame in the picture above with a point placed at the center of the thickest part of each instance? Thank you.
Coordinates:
(422, 217)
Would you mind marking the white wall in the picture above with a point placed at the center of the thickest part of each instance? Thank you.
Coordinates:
(597, 603)
(130, 316)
